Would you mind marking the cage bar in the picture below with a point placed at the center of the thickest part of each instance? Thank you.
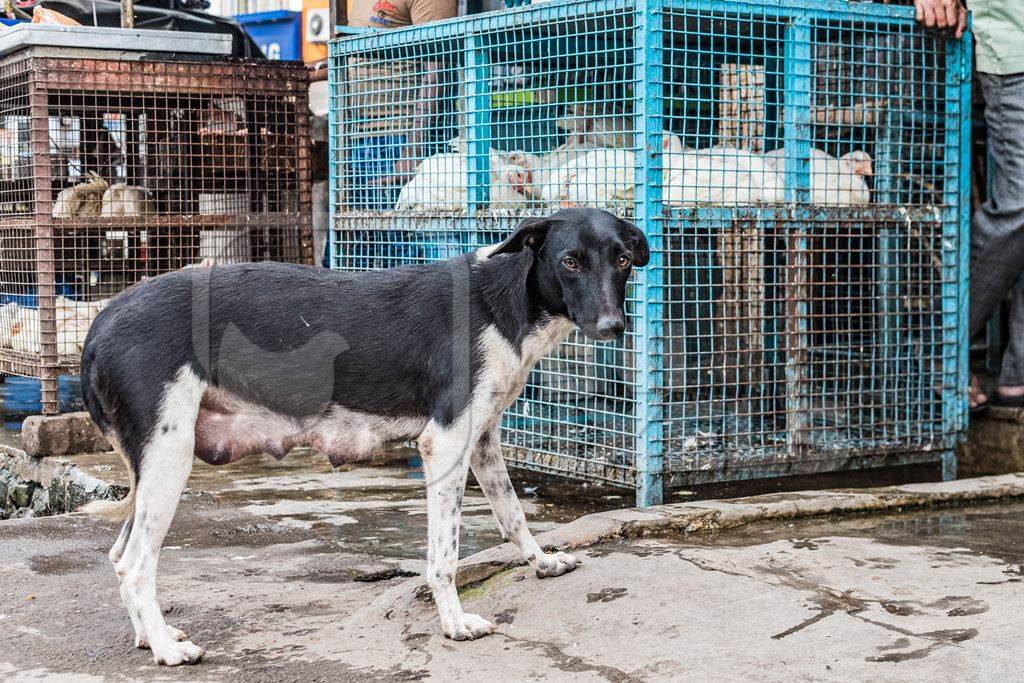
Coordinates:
(649, 113)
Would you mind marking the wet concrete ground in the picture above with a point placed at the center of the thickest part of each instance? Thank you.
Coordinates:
(379, 510)
(287, 571)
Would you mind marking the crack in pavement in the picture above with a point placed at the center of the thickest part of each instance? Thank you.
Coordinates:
(709, 568)
(939, 639)
(830, 601)
(415, 642)
(572, 663)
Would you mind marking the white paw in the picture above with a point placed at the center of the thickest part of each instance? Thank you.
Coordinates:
(172, 633)
(468, 627)
(173, 653)
(555, 564)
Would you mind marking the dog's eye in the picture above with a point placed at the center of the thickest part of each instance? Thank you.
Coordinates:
(570, 263)
(624, 261)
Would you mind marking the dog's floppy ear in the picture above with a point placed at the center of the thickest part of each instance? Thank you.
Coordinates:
(530, 233)
(637, 241)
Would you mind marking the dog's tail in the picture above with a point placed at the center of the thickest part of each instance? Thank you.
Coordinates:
(115, 510)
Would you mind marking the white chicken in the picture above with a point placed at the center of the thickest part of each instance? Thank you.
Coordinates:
(598, 127)
(19, 325)
(542, 167)
(121, 199)
(440, 183)
(833, 181)
(206, 262)
(717, 175)
(601, 178)
(8, 317)
(84, 199)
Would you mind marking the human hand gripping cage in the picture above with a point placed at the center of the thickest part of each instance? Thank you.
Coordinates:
(800, 171)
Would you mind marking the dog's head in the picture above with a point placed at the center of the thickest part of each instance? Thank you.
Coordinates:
(582, 259)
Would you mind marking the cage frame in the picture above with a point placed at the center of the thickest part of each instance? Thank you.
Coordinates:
(649, 477)
(165, 77)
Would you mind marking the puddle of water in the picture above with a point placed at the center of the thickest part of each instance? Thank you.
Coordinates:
(995, 530)
(382, 509)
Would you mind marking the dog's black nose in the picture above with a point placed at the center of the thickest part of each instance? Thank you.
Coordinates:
(609, 326)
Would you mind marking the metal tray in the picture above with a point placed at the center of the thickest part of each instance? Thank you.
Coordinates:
(21, 36)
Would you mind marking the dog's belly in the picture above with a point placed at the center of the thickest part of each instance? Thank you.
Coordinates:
(228, 428)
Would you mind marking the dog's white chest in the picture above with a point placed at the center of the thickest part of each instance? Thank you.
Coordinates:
(505, 370)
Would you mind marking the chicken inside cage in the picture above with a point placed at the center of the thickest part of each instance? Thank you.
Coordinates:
(177, 172)
(439, 183)
(568, 110)
(20, 325)
(591, 160)
(82, 199)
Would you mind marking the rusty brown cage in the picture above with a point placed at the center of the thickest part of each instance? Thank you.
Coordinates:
(113, 170)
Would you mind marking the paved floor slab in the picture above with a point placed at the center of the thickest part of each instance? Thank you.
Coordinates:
(910, 597)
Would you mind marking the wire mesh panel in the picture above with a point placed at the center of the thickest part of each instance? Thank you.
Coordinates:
(800, 172)
(448, 141)
(114, 170)
(809, 329)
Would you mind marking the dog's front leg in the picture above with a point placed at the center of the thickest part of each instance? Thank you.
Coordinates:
(445, 455)
(489, 470)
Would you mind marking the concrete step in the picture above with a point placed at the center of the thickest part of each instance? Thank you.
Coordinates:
(994, 445)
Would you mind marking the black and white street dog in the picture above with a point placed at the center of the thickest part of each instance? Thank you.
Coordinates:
(233, 360)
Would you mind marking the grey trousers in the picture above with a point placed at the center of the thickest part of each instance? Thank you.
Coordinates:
(997, 231)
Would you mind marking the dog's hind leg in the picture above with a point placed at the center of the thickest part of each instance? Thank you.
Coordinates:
(117, 550)
(115, 555)
(162, 473)
(446, 456)
(489, 470)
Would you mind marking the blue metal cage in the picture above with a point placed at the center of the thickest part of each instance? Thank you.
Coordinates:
(801, 172)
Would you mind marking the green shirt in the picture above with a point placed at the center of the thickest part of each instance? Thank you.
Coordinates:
(998, 35)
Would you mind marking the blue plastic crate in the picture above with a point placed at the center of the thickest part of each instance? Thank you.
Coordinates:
(372, 159)
(22, 396)
(278, 33)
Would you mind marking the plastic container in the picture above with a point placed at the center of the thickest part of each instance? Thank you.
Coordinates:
(278, 33)
(21, 396)
(373, 158)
